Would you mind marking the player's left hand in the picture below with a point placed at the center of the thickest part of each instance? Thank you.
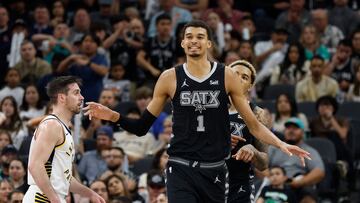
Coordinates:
(235, 139)
(295, 150)
(95, 198)
(245, 153)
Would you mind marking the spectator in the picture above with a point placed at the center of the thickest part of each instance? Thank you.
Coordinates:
(8, 154)
(5, 139)
(286, 108)
(16, 196)
(246, 52)
(330, 35)
(5, 189)
(90, 66)
(302, 178)
(355, 42)
(340, 67)
(12, 122)
(103, 14)
(121, 49)
(17, 174)
(162, 198)
(58, 13)
(117, 187)
(18, 34)
(32, 105)
(116, 161)
(156, 185)
(217, 28)
(293, 69)
(294, 19)
(310, 39)
(354, 90)
(5, 42)
(159, 52)
(135, 147)
(343, 17)
(316, 84)
(42, 21)
(99, 187)
(278, 190)
(31, 68)
(165, 136)
(247, 28)
(12, 87)
(178, 15)
(81, 26)
(92, 164)
(143, 96)
(115, 82)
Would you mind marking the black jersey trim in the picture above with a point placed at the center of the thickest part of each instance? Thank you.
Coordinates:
(200, 80)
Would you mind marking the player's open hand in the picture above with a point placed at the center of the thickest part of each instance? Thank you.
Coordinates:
(95, 198)
(235, 139)
(245, 153)
(99, 111)
(295, 150)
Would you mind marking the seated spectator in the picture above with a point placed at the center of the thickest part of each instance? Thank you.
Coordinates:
(294, 18)
(32, 105)
(12, 122)
(81, 25)
(286, 108)
(340, 66)
(330, 35)
(16, 196)
(278, 191)
(155, 185)
(90, 66)
(5, 42)
(310, 39)
(355, 46)
(115, 163)
(100, 188)
(92, 163)
(17, 175)
(293, 68)
(5, 139)
(316, 84)
(135, 147)
(303, 178)
(58, 13)
(217, 28)
(117, 186)
(103, 14)
(246, 52)
(165, 136)
(31, 68)
(12, 86)
(115, 81)
(5, 189)
(42, 21)
(8, 154)
(354, 89)
(342, 16)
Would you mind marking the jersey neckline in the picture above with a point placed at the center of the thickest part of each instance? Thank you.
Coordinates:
(200, 80)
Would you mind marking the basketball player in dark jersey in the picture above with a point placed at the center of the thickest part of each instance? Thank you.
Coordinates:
(199, 92)
(250, 151)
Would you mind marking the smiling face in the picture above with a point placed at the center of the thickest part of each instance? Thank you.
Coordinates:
(195, 42)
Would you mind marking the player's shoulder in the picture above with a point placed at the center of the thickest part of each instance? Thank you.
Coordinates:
(50, 123)
(168, 75)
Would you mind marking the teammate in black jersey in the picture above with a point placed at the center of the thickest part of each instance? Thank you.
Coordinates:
(250, 150)
(199, 92)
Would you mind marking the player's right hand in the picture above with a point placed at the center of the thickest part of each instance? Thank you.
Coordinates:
(99, 111)
(235, 140)
(95, 198)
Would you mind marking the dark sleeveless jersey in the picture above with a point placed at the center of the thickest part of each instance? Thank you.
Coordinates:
(200, 114)
(239, 170)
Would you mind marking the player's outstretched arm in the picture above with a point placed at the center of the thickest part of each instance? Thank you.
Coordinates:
(48, 135)
(234, 88)
(164, 88)
(80, 189)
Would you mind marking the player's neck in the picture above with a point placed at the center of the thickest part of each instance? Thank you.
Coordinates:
(198, 67)
(64, 115)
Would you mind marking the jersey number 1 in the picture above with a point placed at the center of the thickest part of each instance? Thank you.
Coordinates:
(200, 127)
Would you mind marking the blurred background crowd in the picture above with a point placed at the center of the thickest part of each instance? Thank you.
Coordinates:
(306, 53)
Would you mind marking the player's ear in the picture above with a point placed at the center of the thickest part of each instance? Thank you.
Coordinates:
(209, 44)
(182, 44)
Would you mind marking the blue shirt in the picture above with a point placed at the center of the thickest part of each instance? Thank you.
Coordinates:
(92, 82)
(91, 165)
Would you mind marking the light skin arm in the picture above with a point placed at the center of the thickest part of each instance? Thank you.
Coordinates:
(108, 42)
(235, 89)
(42, 150)
(143, 63)
(99, 69)
(260, 200)
(311, 178)
(80, 189)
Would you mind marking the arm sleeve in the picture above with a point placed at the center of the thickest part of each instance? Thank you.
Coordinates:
(140, 126)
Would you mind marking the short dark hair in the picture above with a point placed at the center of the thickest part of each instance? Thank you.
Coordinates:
(345, 42)
(95, 38)
(279, 167)
(60, 85)
(327, 100)
(163, 16)
(198, 23)
(118, 149)
(143, 92)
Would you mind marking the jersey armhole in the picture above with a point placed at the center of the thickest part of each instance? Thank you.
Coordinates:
(58, 145)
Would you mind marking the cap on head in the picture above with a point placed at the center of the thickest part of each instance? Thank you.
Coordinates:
(155, 179)
(105, 130)
(296, 122)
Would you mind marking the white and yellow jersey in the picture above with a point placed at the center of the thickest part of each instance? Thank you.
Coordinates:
(59, 165)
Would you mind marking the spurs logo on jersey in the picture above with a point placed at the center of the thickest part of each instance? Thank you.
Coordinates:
(200, 99)
(236, 128)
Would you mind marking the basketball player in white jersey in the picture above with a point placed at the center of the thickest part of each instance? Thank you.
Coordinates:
(52, 148)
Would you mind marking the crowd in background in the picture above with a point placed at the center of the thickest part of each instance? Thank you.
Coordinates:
(120, 47)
